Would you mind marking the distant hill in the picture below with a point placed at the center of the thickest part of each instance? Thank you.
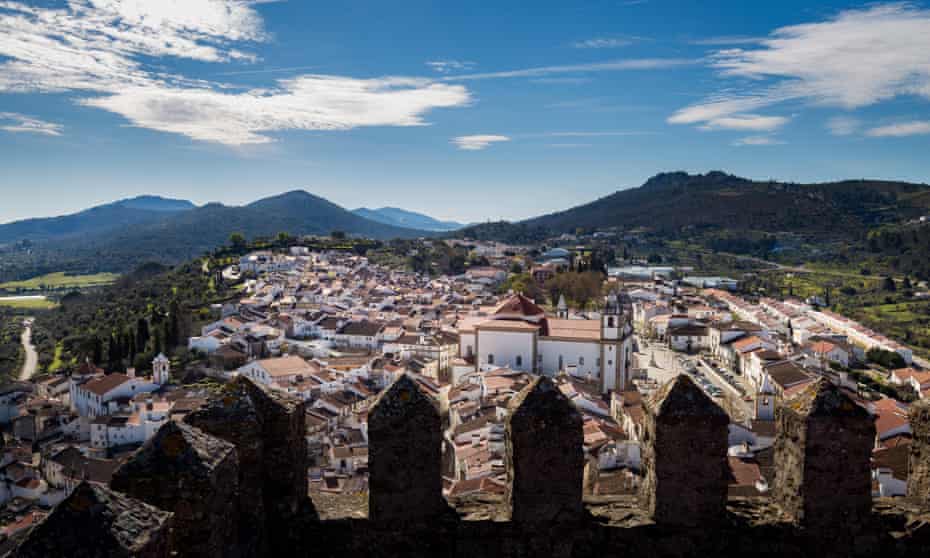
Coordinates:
(134, 236)
(682, 203)
(96, 220)
(403, 218)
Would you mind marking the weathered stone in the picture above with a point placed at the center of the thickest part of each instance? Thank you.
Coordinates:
(95, 522)
(268, 429)
(822, 454)
(684, 455)
(545, 455)
(194, 475)
(918, 480)
(404, 455)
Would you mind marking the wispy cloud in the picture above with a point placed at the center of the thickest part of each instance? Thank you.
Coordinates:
(477, 142)
(106, 48)
(843, 125)
(606, 42)
(758, 141)
(745, 122)
(854, 59)
(19, 123)
(727, 40)
(597, 134)
(901, 129)
(609, 66)
(449, 66)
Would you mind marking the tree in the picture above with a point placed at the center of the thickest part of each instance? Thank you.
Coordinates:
(142, 334)
(888, 284)
(96, 350)
(173, 325)
(338, 235)
(237, 241)
(525, 284)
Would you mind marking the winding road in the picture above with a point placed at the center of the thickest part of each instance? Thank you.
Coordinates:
(32, 357)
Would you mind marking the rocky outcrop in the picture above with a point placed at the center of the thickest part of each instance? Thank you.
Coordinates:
(95, 522)
(195, 476)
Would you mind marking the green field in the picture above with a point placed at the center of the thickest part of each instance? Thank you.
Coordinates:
(28, 303)
(60, 280)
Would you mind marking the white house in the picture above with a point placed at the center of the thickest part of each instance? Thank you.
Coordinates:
(100, 396)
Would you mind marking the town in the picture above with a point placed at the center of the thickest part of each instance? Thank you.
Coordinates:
(335, 330)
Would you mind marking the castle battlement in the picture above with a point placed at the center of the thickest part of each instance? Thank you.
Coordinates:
(232, 482)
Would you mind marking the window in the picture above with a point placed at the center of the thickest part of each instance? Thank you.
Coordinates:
(490, 359)
(610, 322)
(519, 360)
(561, 363)
(580, 361)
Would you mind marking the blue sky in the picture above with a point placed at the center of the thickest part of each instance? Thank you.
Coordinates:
(463, 110)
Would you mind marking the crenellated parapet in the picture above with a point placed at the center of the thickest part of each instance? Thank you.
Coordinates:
(226, 485)
(823, 449)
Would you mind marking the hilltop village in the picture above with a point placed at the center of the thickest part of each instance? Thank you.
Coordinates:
(335, 329)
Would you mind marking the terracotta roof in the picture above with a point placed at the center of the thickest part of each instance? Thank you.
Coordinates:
(507, 325)
(102, 386)
(286, 366)
(519, 304)
(589, 330)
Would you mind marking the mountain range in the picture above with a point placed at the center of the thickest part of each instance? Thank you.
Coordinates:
(123, 234)
(679, 203)
(709, 208)
(410, 219)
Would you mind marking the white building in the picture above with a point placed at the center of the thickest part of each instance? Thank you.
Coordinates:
(519, 335)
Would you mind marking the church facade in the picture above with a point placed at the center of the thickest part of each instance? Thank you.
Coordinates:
(519, 335)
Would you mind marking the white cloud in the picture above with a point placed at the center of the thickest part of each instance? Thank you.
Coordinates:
(314, 102)
(610, 66)
(745, 122)
(449, 66)
(901, 129)
(606, 42)
(843, 125)
(477, 142)
(855, 59)
(20, 123)
(103, 47)
(758, 140)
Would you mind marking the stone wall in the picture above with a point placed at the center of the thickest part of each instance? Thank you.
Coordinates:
(821, 461)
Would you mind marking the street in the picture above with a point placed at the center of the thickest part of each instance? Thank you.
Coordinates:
(663, 364)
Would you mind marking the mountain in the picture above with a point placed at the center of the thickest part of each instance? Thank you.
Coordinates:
(96, 220)
(679, 203)
(403, 218)
(149, 230)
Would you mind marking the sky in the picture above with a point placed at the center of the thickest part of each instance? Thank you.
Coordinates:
(474, 111)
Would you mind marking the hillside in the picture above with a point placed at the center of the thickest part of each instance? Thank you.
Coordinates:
(672, 201)
(96, 220)
(177, 236)
(403, 218)
(680, 203)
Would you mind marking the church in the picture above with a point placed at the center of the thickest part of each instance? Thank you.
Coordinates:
(518, 334)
